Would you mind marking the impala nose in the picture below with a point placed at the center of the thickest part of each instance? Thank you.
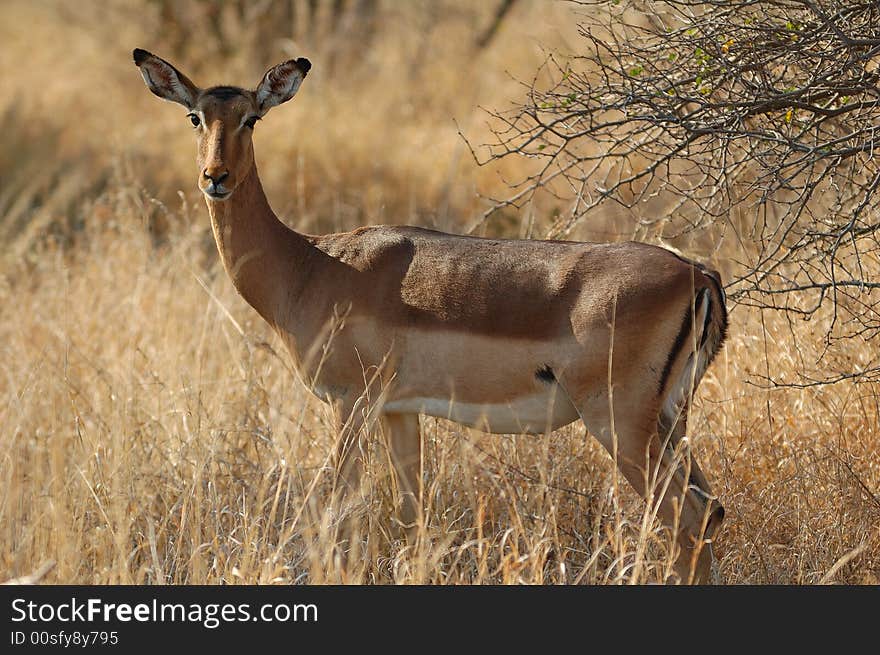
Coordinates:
(216, 178)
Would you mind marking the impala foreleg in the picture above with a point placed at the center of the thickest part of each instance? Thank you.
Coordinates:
(405, 449)
(351, 423)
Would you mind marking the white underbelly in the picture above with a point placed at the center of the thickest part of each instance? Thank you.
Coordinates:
(534, 414)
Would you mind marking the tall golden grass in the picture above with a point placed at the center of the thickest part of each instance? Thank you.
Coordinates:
(151, 433)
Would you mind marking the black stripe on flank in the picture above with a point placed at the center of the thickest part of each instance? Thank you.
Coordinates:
(683, 331)
(546, 374)
(680, 338)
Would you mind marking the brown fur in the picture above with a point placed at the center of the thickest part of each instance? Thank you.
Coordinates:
(434, 317)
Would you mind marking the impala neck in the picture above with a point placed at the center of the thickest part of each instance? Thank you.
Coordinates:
(266, 261)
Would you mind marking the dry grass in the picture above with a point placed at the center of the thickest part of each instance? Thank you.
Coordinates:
(145, 439)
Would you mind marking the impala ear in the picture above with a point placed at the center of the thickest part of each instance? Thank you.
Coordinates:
(165, 80)
(281, 83)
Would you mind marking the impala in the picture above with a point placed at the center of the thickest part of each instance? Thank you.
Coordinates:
(509, 336)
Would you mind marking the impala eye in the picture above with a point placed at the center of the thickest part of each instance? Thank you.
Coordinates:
(252, 121)
(194, 119)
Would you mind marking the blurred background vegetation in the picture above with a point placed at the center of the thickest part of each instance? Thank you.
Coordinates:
(374, 140)
(150, 434)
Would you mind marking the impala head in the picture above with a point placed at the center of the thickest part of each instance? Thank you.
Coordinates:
(223, 117)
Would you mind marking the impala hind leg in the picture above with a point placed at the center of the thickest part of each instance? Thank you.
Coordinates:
(659, 474)
(700, 515)
(672, 438)
(405, 448)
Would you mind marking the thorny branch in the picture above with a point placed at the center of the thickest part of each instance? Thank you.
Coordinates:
(755, 119)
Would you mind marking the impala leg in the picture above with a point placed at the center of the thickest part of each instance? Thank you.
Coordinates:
(689, 499)
(699, 491)
(405, 446)
(349, 466)
(674, 484)
(679, 432)
(349, 457)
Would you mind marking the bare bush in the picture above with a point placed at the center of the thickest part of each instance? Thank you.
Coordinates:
(756, 120)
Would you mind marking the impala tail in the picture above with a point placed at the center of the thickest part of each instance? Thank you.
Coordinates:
(714, 325)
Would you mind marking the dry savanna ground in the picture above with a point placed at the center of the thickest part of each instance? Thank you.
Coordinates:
(150, 428)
